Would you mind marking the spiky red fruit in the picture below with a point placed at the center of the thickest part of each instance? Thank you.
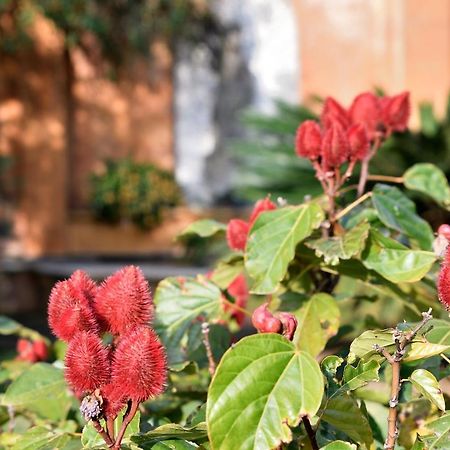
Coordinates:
(366, 110)
(396, 111)
(123, 301)
(308, 140)
(113, 400)
(139, 368)
(70, 306)
(358, 142)
(261, 206)
(237, 231)
(264, 321)
(239, 290)
(87, 362)
(333, 112)
(335, 147)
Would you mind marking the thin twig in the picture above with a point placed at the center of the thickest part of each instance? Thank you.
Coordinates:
(236, 307)
(108, 441)
(310, 432)
(353, 205)
(110, 427)
(365, 167)
(127, 418)
(402, 340)
(209, 354)
(386, 178)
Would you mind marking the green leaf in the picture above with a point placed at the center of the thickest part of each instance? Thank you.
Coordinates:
(426, 383)
(429, 180)
(173, 445)
(40, 389)
(272, 242)
(350, 244)
(9, 326)
(436, 434)
(359, 376)
(423, 350)
(203, 228)
(398, 212)
(226, 271)
(318, 321)
(330, 365)
(171, 431)
(179, 302)
(439, 333)
(42, 438)
(339, 445)
(262, 386)
(344, 414)
(394, 261)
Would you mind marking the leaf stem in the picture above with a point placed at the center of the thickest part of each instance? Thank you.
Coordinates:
(108, 441)
(386, 178)
(310, 432)
(353, 205)
(127, 418)
(209, 354)
(401, 341)
(236, 307)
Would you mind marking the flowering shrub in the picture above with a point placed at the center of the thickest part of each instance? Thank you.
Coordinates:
(346, 336)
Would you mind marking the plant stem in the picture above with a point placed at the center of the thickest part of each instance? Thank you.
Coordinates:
(363, 176)
(209, 354)
(310, 432)
(386, 178)
(127, 418)
(352, 205)
(108, 441)
(110, 427)
(236, 307)
(401, 341)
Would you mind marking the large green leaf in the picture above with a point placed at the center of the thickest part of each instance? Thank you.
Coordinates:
(171, 431)
(335, 248)
(272, 242)
(429, 180)
(9, 326)
(42, 438)
(426, 383)
(344, 414)
(172, 444)
(339, 445)
(262, 386)
(439, 333)
(436, 434)
(318, 321)
(203, 228)
(179, 302)
(394, 261)
(226, 271)
(398, 212)
(40, 389)
(359, 376)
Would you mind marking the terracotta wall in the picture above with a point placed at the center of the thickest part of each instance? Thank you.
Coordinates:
(347, 46)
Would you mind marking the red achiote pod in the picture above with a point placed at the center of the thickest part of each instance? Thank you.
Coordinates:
(289, 323)
(123, 301)
(261, 206)
(25, 351)
(87, 363)
(40, 349)
(366, 110)
(70, 306)
(335, 147)
(443, 284)
(239, 290)
(358, 142)
(113, 400)
(264, 321)
(333, 112)
(308, 140)
(396, 111)
(237, 231)
(139, 368)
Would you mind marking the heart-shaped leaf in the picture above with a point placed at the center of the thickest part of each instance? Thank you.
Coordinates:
(394, 261)
(203, 228)
(359, 376)
(272, 241)
(262, 386)
(398, 212)
(179, 302)
(436, 434)
(171, 431)
(429, 180)
(42, 438)
(426, 383)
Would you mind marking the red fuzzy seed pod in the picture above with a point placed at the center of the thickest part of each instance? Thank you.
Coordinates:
(113, 401)
(289, 323)
(443, 285)
(308, 140)
(333, 112)
(264, 321)
(335, 147)
(139, 368)
(239, 290)
(40, 349)
(237, 232)
(261, 206)
(396, 111)
(358, 142)
(123, 301)
(70, 307)
(366, 110)
(87, 363)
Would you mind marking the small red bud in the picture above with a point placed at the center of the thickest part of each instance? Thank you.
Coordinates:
(261, 206)
(308, 140)
(335, 147)
(25, 351)
(40, 350)
(366, 110)
(333, 112)
(358, 142)
(396, 111)
(264, 321)
(443, 284)
(237, 232)
(289, 323)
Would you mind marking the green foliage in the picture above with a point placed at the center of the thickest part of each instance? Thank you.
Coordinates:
(135, 192)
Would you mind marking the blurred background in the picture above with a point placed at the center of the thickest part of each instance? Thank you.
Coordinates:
(121, 121)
